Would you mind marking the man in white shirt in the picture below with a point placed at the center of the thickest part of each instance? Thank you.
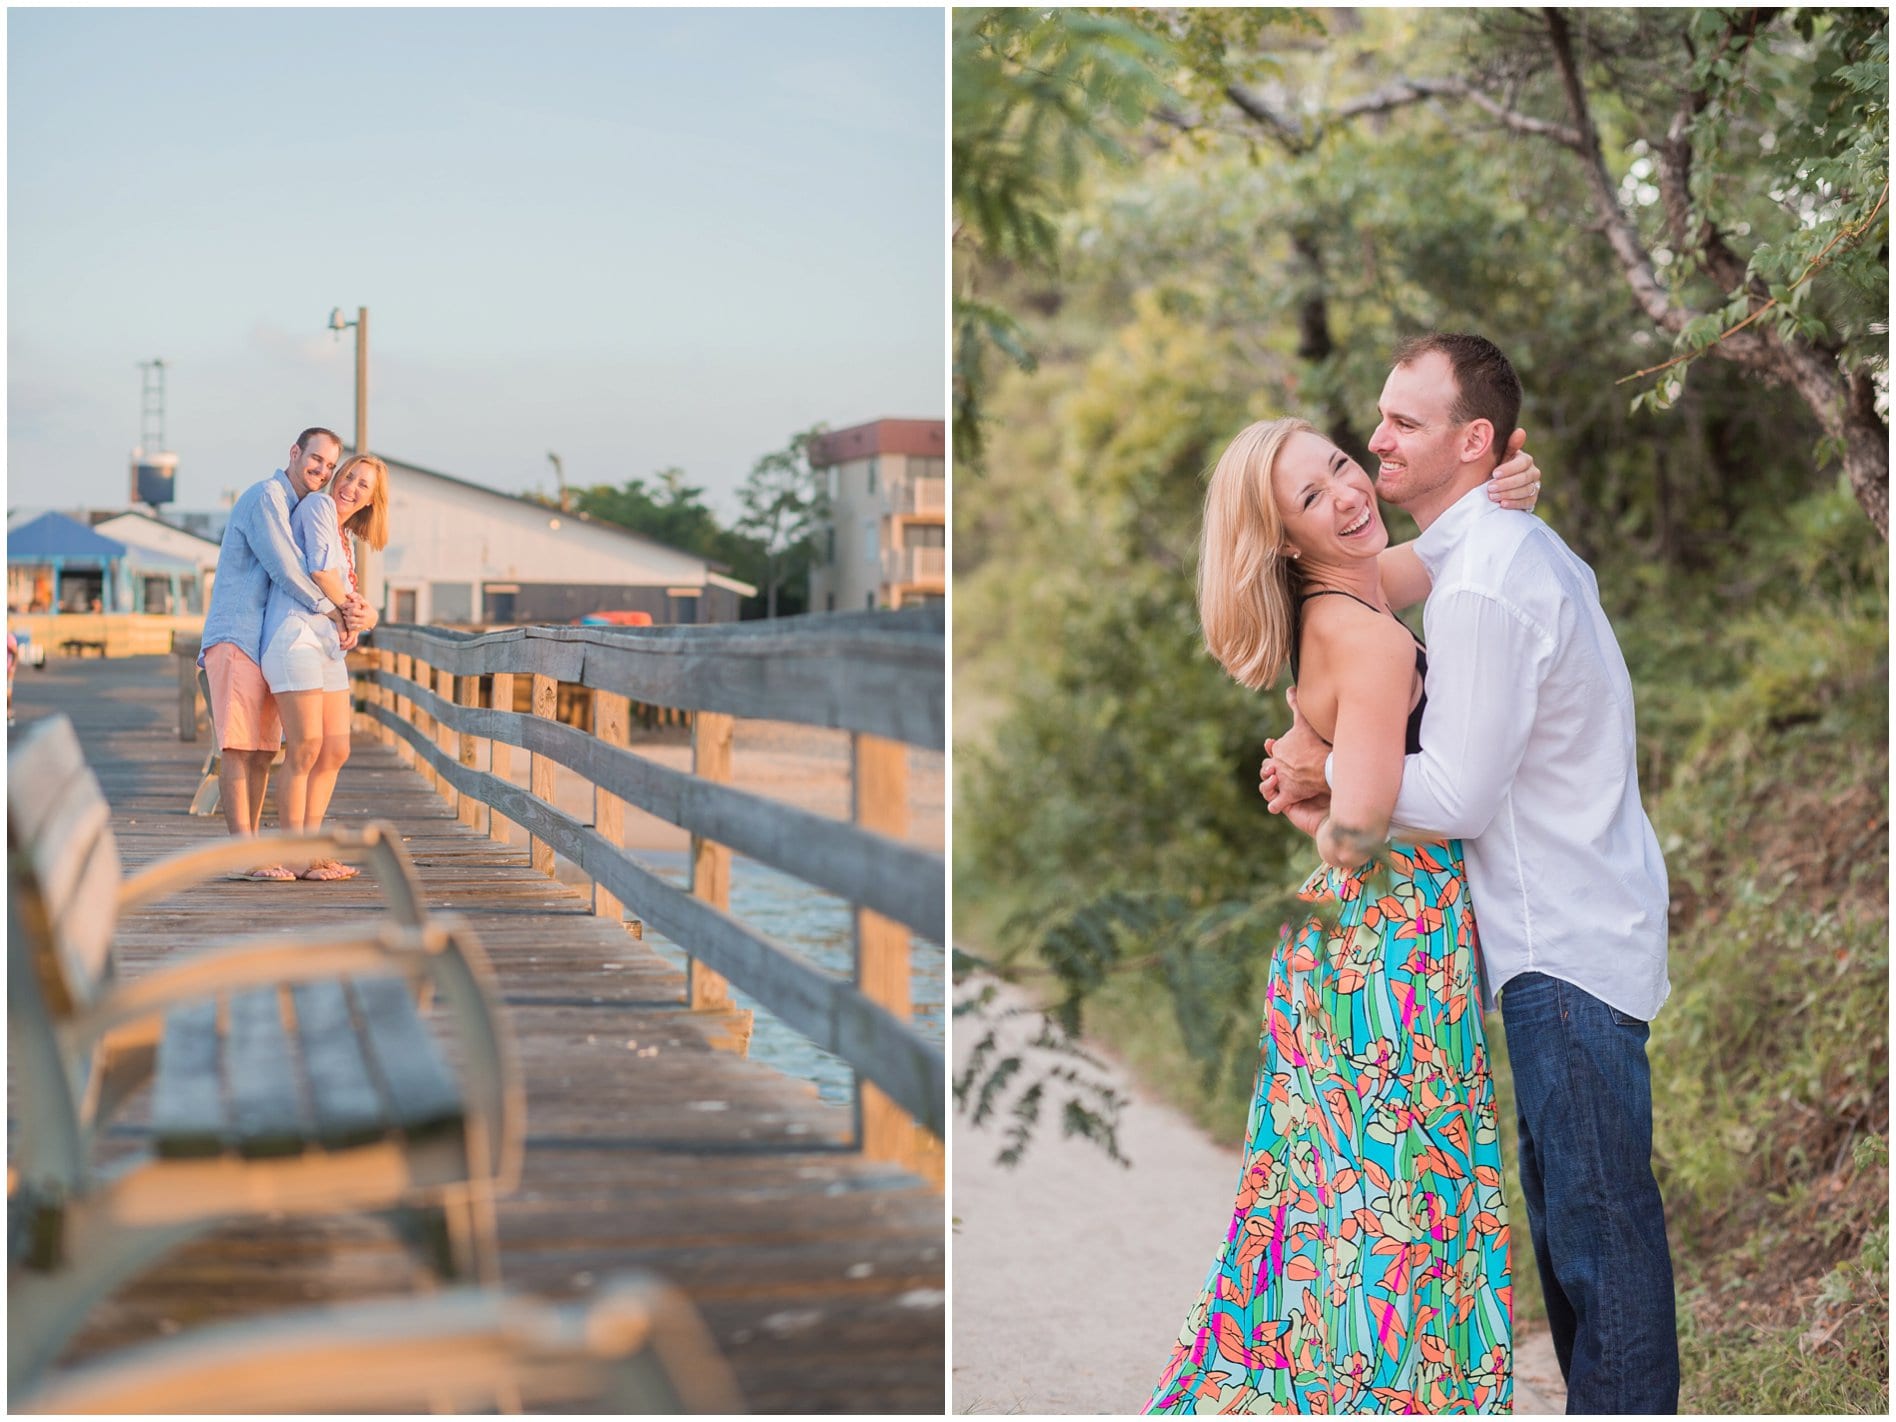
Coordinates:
(1528, 756)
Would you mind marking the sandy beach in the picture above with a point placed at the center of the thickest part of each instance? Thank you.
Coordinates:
(1072, 1275)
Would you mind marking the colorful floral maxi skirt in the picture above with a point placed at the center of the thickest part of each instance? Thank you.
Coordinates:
(1366, 1266)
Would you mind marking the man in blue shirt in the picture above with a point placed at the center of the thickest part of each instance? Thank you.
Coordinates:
(259, 550)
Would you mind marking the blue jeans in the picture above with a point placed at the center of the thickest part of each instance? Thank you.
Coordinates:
(1583, 1098)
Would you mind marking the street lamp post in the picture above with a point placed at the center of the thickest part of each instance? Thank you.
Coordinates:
(368, 560)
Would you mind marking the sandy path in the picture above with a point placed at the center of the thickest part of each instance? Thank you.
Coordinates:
(1072, 1275)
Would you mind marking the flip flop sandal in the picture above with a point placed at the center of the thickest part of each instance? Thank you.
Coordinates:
(270, 873)
(328, 870)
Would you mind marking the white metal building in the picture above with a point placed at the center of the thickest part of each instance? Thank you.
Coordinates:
(460, 552)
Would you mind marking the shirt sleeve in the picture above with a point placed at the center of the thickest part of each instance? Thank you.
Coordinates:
(318, 534)
(1486, 662)
(275, 549)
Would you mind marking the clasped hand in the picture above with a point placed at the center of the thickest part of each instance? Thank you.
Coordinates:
(1291, 777)
(353, 617)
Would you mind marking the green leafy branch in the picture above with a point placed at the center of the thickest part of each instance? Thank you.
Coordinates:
(1779, 295)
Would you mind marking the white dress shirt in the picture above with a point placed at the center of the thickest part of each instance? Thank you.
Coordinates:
(1528, 757)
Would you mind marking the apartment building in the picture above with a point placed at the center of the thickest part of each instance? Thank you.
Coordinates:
(886, 541)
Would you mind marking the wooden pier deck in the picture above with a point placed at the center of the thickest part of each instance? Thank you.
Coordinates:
(819, 1273)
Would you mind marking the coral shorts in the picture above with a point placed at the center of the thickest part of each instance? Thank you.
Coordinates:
(242, 708)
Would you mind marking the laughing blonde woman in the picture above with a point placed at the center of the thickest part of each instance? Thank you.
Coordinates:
(1365, 1266)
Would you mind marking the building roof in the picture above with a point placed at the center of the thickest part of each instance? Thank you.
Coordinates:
(53, 535)
(157, 530)
(604, 525)
(924, 438)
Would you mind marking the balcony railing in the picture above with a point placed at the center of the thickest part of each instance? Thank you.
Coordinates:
(914, 565)
(920, 496)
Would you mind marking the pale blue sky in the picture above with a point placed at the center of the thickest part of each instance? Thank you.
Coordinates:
(632, 237)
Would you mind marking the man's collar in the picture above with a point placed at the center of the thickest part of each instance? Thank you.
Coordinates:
(296, 494)
(1438, 540)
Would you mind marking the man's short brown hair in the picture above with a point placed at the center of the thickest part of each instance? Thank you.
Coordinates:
(1486, 385)
(313, 432)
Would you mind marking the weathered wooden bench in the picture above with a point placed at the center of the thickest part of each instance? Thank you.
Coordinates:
(293, 1074)
(635, 1347)
(79, 646)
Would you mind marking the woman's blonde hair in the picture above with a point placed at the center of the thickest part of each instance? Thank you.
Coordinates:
(370, 522)
(1246, 585)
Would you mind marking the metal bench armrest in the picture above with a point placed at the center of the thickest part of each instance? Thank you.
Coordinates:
(377, 844)
(495, 1095)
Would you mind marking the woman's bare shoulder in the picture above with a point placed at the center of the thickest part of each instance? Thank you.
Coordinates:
(1343, 628)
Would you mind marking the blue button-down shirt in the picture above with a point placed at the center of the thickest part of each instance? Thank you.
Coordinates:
(258, 551)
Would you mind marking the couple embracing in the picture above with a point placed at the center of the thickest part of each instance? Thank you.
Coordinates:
(285, 611)
(1476, 808)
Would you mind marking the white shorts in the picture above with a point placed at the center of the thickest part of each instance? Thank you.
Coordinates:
(305, 657)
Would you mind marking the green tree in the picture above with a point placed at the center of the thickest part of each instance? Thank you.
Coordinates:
(784, 506)
(665, 508)
(1733, 162)
(1037, 93)
(672, 511)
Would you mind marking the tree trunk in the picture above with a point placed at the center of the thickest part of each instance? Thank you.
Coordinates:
(1316, 344)
(1846, 408)
(1866, 462)
(1844, 405)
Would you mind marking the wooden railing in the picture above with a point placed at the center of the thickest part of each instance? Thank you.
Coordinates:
(446, 701)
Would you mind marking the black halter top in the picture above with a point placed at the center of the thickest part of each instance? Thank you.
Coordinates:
(1412, 739)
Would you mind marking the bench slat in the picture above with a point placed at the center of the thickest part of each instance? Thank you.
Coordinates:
(422, 1094)
(348, 1107)
(187, 1108)
(266, 1106)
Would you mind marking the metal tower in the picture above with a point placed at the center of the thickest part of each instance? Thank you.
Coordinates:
(154, 468)
(151, 422)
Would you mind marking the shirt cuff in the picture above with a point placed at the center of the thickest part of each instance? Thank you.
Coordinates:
(324, 606)
(1329, 765)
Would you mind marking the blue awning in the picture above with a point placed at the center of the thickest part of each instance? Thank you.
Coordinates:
(53, 535)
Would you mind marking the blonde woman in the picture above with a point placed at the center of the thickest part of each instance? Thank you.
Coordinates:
(1365, 1266)
(303, 655)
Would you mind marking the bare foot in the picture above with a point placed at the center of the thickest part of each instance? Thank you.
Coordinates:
(268, 872)
(329, 869)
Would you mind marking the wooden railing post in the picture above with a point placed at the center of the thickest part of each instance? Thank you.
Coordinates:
(540, 770)
(879, 801)
(405, 706)
(446, 740)
(424, 722)
(384, 697)
(467, 692)
(610, 725)
(501, 754)
(712, 735)
(187, 693)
